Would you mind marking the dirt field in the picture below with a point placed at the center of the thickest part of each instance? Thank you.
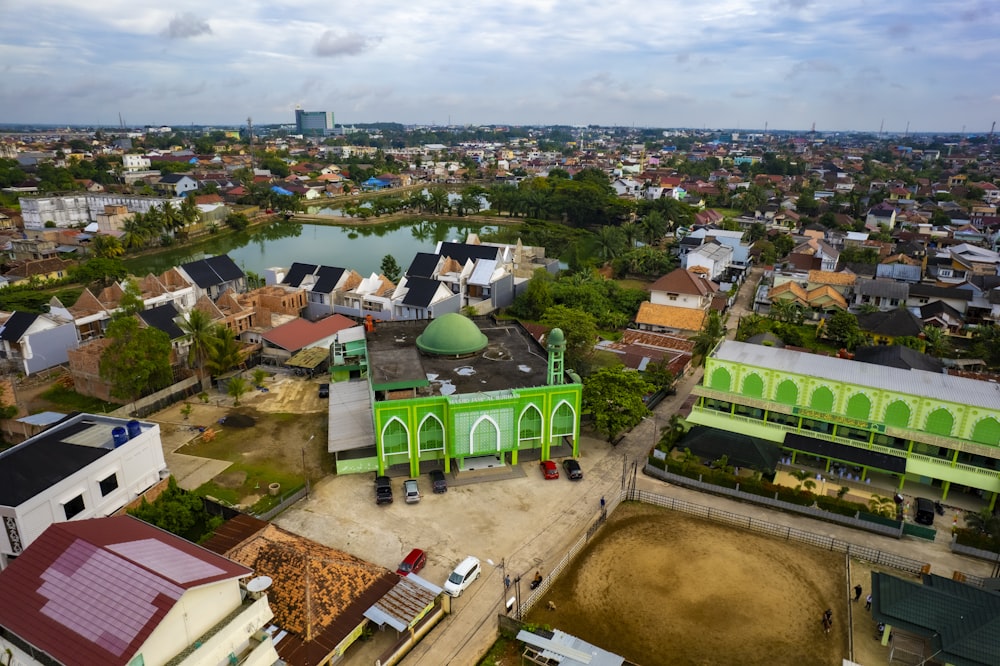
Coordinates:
(659, 587)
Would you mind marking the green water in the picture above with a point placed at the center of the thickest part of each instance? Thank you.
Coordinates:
(281, 243)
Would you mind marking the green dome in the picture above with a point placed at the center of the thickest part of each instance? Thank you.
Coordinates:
(451, 335)
(556, 338)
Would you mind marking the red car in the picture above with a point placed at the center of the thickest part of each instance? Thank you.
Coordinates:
(412, 563)
(549, 469)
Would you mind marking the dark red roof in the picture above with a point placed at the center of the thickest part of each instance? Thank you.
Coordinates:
(300, 333)
(92, 591)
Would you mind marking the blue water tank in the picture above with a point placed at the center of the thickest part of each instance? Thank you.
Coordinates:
(120, 436)
(134, 429)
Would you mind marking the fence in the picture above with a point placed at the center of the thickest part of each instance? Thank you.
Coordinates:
(154, 402)
(988, 555)
(812, 512)
(287, 500)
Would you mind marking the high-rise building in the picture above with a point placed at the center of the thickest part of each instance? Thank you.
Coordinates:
(313, 123)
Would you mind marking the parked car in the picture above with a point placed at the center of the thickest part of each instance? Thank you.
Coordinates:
(383, 490)
(324, 390)
(572, 469)
(438, 482)
(549, 469)
(412, 563)
(924, 511)
(411, 493)
(464, 574)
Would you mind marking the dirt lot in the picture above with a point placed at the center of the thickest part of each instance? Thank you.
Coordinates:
(659, 587)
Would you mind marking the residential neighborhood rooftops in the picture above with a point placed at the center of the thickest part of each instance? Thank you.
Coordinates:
(92, 591)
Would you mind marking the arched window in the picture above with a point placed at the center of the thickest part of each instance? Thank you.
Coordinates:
(987, 431)
(485, 437)
(529, 431)
(431, 434)
(897, 414)
(395, 437)
(721, 379)
(563, 422)
(822, 400)
(859, 406)
(940, 422)
(753, 386)
(788, 393)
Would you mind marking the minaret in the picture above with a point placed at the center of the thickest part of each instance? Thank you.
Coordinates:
(556, 343)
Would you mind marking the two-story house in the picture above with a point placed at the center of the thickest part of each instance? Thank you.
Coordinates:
(678, 302)
(31, 342)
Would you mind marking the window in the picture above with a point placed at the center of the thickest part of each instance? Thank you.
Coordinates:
(74, 507)
(109, 485)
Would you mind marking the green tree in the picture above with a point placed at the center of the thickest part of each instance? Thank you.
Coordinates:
(614, 398)
(986, 344)
(709, 335)
(937, 342)
(654, 226)
(237, 221)
(137, 360)
(536, 298)
(179, 512)
(98, 271)
(106, 247)
(224, 352)
(238, 387)
(390, 268)
(579, 328)
(199, 333)
(842, 329)
(610, 242)
(658, 374)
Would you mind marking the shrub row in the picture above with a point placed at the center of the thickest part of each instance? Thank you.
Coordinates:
(976, 539)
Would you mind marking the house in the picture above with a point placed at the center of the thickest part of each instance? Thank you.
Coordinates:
(282, 342)
(40, 269)
(84, 466)
(881, 214)
(885, 327)
(482, 274)
(974, 259)
(31, 342)
(880, 293)
(118, 591)
(213, 276)
(176, 184)
(711, 257)
(322, 598)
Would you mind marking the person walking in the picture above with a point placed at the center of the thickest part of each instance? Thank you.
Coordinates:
(857, 592)
(828, 620)
(868, 603)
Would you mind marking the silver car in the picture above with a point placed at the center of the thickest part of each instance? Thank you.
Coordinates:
(411, 493)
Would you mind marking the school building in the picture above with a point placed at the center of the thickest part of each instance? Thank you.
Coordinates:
(921, 427)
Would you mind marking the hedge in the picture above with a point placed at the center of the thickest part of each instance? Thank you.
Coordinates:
(975, 539)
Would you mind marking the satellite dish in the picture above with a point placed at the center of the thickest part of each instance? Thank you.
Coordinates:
(259, 584)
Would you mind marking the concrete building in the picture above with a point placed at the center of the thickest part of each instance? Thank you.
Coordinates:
(117, 591)
(455, 392)
(920, 429)
(82, 467)
(82, 209)
(313, 123)
(31, 342)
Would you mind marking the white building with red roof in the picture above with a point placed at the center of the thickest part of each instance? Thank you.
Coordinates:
(118, 591)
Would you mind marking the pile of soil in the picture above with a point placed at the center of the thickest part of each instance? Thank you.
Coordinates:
(236, 420)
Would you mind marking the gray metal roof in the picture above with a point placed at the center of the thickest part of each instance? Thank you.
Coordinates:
(946, 388)
(567, 650)
(884, 288)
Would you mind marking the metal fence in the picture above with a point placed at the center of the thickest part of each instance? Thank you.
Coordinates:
(812, 512)
(287, 500)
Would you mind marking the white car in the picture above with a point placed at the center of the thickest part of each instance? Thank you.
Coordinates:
(464, 574)
(411, 493)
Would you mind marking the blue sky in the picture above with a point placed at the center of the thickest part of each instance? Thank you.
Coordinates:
(844, 64)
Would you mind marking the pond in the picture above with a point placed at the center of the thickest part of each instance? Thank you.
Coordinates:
(281, 243)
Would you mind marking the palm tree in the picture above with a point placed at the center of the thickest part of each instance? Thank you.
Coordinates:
(107, 247)
(134, 234)
(199, 332)
(224, 352)
(710, 334)
(653, 225)
(937, 341)
(610, 242)
(631, 232)
(438, 200)
(237, 387)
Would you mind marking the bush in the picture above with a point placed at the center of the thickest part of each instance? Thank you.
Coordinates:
(839, 506)
(976, 539)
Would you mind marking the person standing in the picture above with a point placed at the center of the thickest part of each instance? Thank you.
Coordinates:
(857, 592)
(868, 603)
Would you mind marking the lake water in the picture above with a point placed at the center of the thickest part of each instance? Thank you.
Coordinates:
(282, 243)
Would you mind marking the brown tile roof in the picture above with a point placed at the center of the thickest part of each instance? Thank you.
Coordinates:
(830, 277)
(670, 316)
(300, 333)
(92, 591)
(319, 594)
(87, 304)
(680, 281)
(794, 291)
(826, 295)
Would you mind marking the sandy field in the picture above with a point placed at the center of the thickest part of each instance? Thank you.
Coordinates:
(659, 587)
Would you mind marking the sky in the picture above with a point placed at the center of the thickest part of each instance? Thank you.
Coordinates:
(786, 64)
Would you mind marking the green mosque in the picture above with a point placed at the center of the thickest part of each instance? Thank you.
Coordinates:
(456, 393)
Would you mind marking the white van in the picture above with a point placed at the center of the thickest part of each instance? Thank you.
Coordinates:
(467, 571)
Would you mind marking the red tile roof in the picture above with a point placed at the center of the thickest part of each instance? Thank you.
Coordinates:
(92, 591)
(300, 333)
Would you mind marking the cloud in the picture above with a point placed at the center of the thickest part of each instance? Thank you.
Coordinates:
(334, 45)
(185, 26)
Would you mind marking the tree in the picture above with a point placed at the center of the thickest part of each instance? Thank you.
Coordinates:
(224, 352)
(199, 333)
(106, 247)
(842, 329)
(986, 344)
(99, 271)
(654, 226)
(658, 374)
(179, 512)
(237, 221)
(390, 269)
(536, 298)
(710, 334)
(610, 242)
(137, 361)
(614, 398)
(579, 328)
(937, 343)
(238, 386)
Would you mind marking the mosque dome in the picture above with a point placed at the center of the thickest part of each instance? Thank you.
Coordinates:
(451, 334)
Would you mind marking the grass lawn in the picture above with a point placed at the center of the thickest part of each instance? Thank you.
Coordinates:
(71, 401)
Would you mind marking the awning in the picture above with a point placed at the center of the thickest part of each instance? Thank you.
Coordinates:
(67, 248)
(309, 358)
(851, 454)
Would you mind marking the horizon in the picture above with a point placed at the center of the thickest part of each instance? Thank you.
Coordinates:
(845, 67)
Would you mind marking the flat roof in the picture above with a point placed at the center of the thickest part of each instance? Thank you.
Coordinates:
(55, 454)
(511, 359)
(947, 388)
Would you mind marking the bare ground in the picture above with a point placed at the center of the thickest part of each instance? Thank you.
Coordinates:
(659, 587)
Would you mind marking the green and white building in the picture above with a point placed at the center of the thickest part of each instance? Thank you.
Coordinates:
(457, 392)
(923, 427)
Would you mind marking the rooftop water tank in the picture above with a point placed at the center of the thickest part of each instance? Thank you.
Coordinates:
(134, 429)
(120, 435)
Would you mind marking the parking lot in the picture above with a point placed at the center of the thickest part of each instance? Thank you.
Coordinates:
(521, 521)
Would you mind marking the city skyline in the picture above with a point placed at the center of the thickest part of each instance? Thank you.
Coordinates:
(737, 64)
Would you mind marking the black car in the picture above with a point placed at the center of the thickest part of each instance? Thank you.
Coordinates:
(924, 511)
(572, 469)
(438, 482)
(383, 490)
(324, 390)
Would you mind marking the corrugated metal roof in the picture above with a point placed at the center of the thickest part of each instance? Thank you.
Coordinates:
(482, 274)
(915, 382)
